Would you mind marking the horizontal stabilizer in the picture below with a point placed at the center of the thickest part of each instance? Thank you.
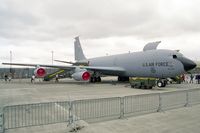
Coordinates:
(68, 62)
(82, 63)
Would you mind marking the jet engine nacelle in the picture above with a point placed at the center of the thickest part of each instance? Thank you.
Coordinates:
(40, 72)
(81, 76)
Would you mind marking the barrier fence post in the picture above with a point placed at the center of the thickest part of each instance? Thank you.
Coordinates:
(1, 120)
(70, 112)
(122, 107)
(187, 99)
(160, 103)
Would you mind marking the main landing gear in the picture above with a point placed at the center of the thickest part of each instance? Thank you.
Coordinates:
(123, 79)
(95, 79)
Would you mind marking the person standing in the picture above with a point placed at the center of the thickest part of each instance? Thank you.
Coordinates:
(32, 78)
(191, 78)
(9, 78)
(183, 77)
(198, 78)
(56, 77)
(6, 77)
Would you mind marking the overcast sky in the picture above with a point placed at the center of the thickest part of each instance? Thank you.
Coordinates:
(31, 29)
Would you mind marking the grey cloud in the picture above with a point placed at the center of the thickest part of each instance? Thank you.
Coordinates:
(15, 22)
(119, 18)
(51, 24)
(94, 19)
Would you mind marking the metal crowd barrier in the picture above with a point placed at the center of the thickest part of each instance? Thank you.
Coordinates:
(35, 114)
(194, 96)
(140, 104)
(90, 110)
(97, 108)
(1, 120)
(170, 100)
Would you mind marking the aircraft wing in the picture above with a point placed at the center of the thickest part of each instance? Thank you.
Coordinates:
(41, 65)
(74, 63)
(68, 62)
(104, 70)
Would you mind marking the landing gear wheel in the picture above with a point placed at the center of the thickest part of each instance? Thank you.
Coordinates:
(98, 79)
(159, 84)
(123, 79)
(164, 84)
(119, 78)
(95, 79)
(92, 79)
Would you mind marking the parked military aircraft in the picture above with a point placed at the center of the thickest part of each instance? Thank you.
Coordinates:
(151, 62)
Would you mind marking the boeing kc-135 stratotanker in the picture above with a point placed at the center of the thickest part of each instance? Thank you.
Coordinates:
(151, 62)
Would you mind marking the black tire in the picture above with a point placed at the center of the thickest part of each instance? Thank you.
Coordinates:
(123, 79)
(119, 78)
(99, 79)
(163, 84)
(95, 79)
(159, 84)
(91, 79)
(150, 87)
(132, 86)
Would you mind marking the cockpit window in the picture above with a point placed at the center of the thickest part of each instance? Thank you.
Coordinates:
(174, 56)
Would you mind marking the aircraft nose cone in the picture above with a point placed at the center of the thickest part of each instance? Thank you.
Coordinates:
(187, 63)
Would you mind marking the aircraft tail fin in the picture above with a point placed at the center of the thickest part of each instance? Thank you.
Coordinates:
(79, 55)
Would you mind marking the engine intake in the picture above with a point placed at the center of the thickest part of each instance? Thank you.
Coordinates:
(81, 76)
(40, 72)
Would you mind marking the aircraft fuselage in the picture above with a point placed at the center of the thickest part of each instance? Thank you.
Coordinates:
(151, 63)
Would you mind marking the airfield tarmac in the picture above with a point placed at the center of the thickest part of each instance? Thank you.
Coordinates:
(21, 91)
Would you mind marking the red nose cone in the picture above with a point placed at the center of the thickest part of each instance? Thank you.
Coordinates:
(41, 72)
(86, 76)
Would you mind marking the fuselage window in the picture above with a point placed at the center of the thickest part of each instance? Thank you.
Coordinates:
(174, 56)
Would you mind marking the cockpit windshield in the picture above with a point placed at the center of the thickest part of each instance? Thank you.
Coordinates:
(174, 56)
(177, 55)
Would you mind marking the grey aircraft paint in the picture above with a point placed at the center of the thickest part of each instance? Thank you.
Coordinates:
(78, 52)
(152, 63)
(148, 63)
